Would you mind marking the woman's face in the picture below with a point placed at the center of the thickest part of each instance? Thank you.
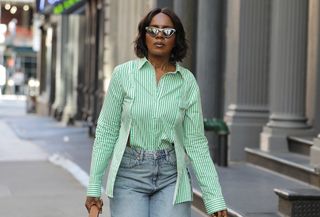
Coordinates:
(160, 45)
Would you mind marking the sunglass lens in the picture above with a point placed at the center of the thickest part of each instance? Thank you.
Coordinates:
(154, 31)
(168, 32)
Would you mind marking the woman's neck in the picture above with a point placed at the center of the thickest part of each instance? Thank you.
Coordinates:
(160, 63)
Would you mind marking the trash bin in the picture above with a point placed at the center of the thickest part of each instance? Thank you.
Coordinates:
(220, 128)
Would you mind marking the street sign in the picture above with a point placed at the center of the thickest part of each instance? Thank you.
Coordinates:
(58, 6)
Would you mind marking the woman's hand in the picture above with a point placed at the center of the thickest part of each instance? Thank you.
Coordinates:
(96, 201)
(222, 213)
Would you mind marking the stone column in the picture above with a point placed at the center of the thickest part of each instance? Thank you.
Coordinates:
(49, 61)
(313, 87)
(313, 68)
(187, 12)
(164, 4)
(315, 152)
(88, 58)
(41, 66)
(288, 74)
(110, 53)
(131, 14)
(60, 98)
(70, 109)
(247, 51)
(41, 105)
(209, 60)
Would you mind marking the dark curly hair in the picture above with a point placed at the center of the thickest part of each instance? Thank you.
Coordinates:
(180, 48)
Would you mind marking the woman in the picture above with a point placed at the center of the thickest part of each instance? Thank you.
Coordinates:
(150, 121)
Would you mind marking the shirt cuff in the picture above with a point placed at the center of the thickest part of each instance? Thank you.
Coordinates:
(94, 191)
(215, 205)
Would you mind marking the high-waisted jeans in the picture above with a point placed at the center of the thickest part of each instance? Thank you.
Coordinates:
(145, 185)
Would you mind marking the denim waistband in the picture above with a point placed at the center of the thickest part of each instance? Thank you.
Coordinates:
(150, 154)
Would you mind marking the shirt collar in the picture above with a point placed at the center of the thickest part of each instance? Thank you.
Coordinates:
(144, 60)
(141, 62)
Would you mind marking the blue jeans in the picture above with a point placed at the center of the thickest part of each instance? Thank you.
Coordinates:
(145, 185)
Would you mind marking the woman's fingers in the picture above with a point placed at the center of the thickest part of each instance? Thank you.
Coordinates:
(222, 213)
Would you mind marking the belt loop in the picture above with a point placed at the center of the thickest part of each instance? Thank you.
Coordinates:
(141, 154)
(167, 154)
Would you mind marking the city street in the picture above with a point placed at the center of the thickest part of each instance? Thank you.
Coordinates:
(251, 69)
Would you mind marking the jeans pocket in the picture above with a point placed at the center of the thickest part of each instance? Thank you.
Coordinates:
(129, 162)
(171, 160)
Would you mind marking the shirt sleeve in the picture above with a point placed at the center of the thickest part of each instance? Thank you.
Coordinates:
(197, 149)
(107, 133)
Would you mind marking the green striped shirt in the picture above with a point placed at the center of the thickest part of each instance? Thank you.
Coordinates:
(155, 108)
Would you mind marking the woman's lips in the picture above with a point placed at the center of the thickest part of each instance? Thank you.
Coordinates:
(159, 44)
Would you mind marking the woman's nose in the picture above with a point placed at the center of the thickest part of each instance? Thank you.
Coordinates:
(160, 35)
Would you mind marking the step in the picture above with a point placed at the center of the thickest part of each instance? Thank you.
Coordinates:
(290, 164)
(300, 145)
(198, 205)
(299, 202)
(248, 189)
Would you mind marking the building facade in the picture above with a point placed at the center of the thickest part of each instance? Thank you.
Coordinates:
(256, 62)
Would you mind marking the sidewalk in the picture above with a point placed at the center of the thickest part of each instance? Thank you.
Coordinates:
(38, 189)
(31, 182)
(33, 148)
